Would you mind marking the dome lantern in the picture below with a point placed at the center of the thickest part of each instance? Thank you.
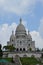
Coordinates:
(20, 20)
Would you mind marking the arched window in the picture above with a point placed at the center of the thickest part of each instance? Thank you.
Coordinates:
(20, 42)
(12, 40)
(28, 44)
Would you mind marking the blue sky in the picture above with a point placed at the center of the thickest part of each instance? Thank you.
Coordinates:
(31, 12)
(32, 18)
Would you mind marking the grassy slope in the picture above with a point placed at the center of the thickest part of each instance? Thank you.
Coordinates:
(29, 61)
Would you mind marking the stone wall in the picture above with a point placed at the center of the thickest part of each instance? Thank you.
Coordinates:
(37, 55)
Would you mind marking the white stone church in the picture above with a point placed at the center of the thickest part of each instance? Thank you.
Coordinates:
(21, 40)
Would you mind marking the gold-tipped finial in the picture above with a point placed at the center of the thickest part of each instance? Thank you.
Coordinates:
(20, 20)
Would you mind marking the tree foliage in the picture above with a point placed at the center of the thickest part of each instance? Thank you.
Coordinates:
(0, 46)
(42, 49)
(30, 49)
(9, 48)
(38, 50)
(1, 52)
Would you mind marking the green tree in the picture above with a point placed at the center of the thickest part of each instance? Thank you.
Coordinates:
(5, 47)
(9, 48)
(0, 46)
(38, 50)
(1, 52)
(30, 49)
(42, 49)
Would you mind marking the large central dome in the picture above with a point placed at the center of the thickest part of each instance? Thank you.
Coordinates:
(20, 28)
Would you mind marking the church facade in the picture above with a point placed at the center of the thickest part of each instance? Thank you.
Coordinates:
(21, 40)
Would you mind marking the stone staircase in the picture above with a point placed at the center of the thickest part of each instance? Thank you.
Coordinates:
(17, 60)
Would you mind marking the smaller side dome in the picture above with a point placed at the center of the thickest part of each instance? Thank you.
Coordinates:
(12, 37)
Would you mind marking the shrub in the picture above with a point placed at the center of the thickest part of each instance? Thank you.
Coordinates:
(33, 56)
(1, 52)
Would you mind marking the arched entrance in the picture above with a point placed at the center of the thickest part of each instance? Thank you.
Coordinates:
(20, 49)
(23, 49)
(17, 49)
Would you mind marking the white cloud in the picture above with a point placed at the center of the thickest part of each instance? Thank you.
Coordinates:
(17, 6)
(38, 39)
(5, 32)
(38, 35)
(41, 27)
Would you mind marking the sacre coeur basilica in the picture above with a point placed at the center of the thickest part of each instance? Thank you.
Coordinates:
(21, 40)
(22, 48)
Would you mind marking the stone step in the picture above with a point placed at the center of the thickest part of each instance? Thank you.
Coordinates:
(17, 61)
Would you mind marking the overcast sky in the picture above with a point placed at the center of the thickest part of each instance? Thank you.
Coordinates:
(31, 12)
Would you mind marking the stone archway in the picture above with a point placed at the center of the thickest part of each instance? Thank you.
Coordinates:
(20, 49)
(17, 49)
(23, 49)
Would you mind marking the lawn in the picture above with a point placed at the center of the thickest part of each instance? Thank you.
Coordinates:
(29, 61)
